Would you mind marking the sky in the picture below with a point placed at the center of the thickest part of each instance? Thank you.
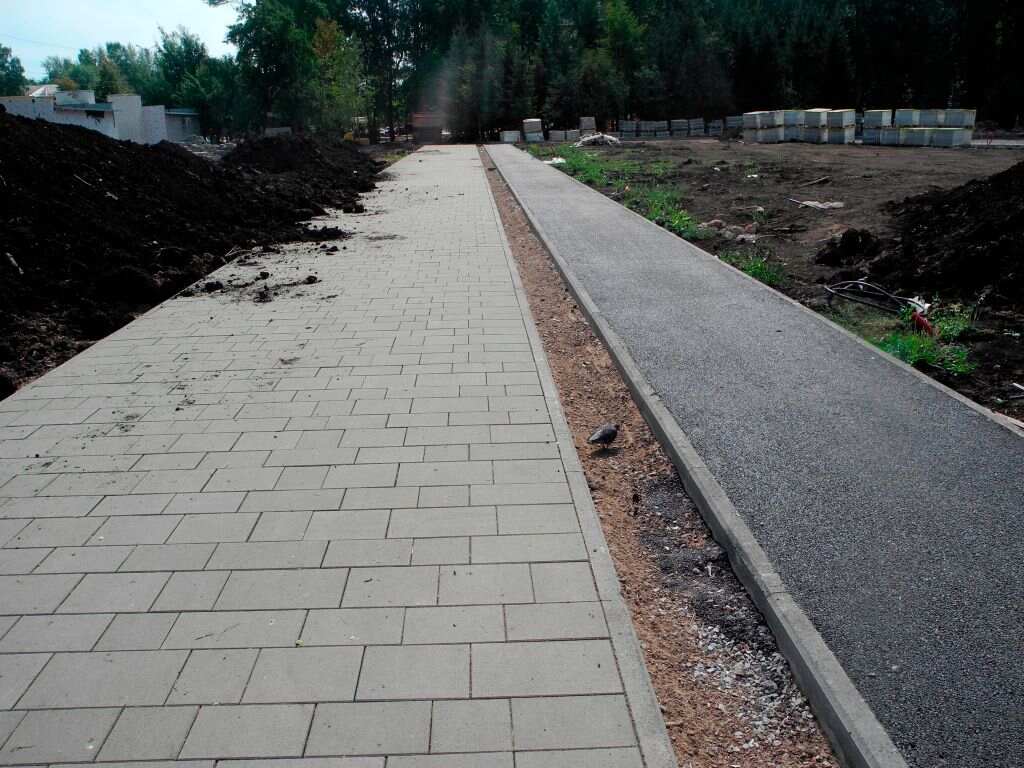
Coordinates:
(35, 29)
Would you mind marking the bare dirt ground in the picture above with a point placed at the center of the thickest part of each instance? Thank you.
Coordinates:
(749, 186)
(727, 695)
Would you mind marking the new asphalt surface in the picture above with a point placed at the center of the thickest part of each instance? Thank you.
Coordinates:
(892, 509)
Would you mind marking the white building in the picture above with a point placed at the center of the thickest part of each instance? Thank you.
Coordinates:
(123, 117)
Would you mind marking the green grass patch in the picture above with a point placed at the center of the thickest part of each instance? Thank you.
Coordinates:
(919, 349)
(755, 265)
(592, 167)
(663, 206)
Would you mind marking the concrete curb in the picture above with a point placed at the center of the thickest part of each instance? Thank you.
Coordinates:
(858, 738)
(652, 736)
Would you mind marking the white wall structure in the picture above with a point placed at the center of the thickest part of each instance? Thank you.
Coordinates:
(123, 117)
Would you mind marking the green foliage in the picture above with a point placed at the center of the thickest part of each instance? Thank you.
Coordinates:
(756, 265)
(952, 322)
(12, 75)
(919, 349)
(339, 95)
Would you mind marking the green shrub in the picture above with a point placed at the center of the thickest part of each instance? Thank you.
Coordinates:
(919, 349)
(755, 265)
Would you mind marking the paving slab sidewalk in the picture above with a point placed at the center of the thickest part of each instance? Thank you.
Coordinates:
(890, 507)
(347, 523)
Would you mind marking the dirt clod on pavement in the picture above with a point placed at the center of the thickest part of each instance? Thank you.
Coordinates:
(95, 231)
(727, 695)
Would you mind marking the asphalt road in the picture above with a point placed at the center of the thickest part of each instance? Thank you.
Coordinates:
(892, 510)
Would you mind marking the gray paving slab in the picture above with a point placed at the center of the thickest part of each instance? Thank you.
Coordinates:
(241, 562)
(816, 438)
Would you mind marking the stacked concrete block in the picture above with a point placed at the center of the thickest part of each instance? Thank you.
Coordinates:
(696, 126)
(554, 135)
(716, 127)
(627, 128)
(907, 118)
(817, 117)
(842, 118)
(933, 118)
(533, 128)
(588, 125)
(774, 119)
(510, 137)
(734, 122)
(654, 128)
(572, 135)
(961, 118)
(889, 136)
(916, 137)
(814, 134)
(754, 120)
(877, 118)
(793, 122)
(845, 135)
(951, 137)
(680, 127)
(772, 135)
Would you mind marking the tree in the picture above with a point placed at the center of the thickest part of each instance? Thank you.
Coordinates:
(340, 85)
(12, 75)
(109, 80)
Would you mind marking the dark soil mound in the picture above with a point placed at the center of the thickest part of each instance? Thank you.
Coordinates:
(319, 161)
(964, 244)
(96, 230)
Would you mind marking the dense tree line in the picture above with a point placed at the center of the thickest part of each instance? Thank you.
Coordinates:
(487, 64)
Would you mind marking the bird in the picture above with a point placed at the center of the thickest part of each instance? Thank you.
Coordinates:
(604, 435)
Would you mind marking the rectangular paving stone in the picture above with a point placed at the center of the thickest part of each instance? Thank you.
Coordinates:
(168, 557)
(563, 582)
(283, 554)
(204, 503)
(479, 760)
(190, 591)
(540, 547)
(544, 668)
(354, 626)
(361, 476)
(290, 501)
(388, 587)
(555, 621)
(55, 736)
(111, 679)
(369, 552)
(303, 588)
(136, 632)
(148, 733)
(443, 521)
(307, 762)
(380, 498)
(574, 722)
(249, 730)
(55, 633)
(460, 624)
(348, 524)
(136, 529)
(17, 671)
(447, 435)
(115, 593)
(471, 726)
(367, 728)
(281, 526)
(513, 451)
(236, 629)
(49, 506)
(309, 457)
(304, 674)
(537, 518)
(55, 532)
(21, 561)
(520, 493)
(82, 559)
(213, 677)
(134, 504)
(628, 757)
(485, 584)
(445, 473)
(214, 527)
(440, 551)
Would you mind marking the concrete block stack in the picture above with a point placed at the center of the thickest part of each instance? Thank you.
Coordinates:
(716, 127)
(510, 137)
(533, 128)
(588, 126)
(654, 129)
(793, 123)
(554, 135)
(815, 126)
(874, 121)
(734, 122)
(842, 126)
(627, 128)
(696, 126)
(679, 127)
(933, 118)
(907, 118)
(773, 127)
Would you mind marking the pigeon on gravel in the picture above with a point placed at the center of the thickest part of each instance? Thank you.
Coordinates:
(604, 435)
